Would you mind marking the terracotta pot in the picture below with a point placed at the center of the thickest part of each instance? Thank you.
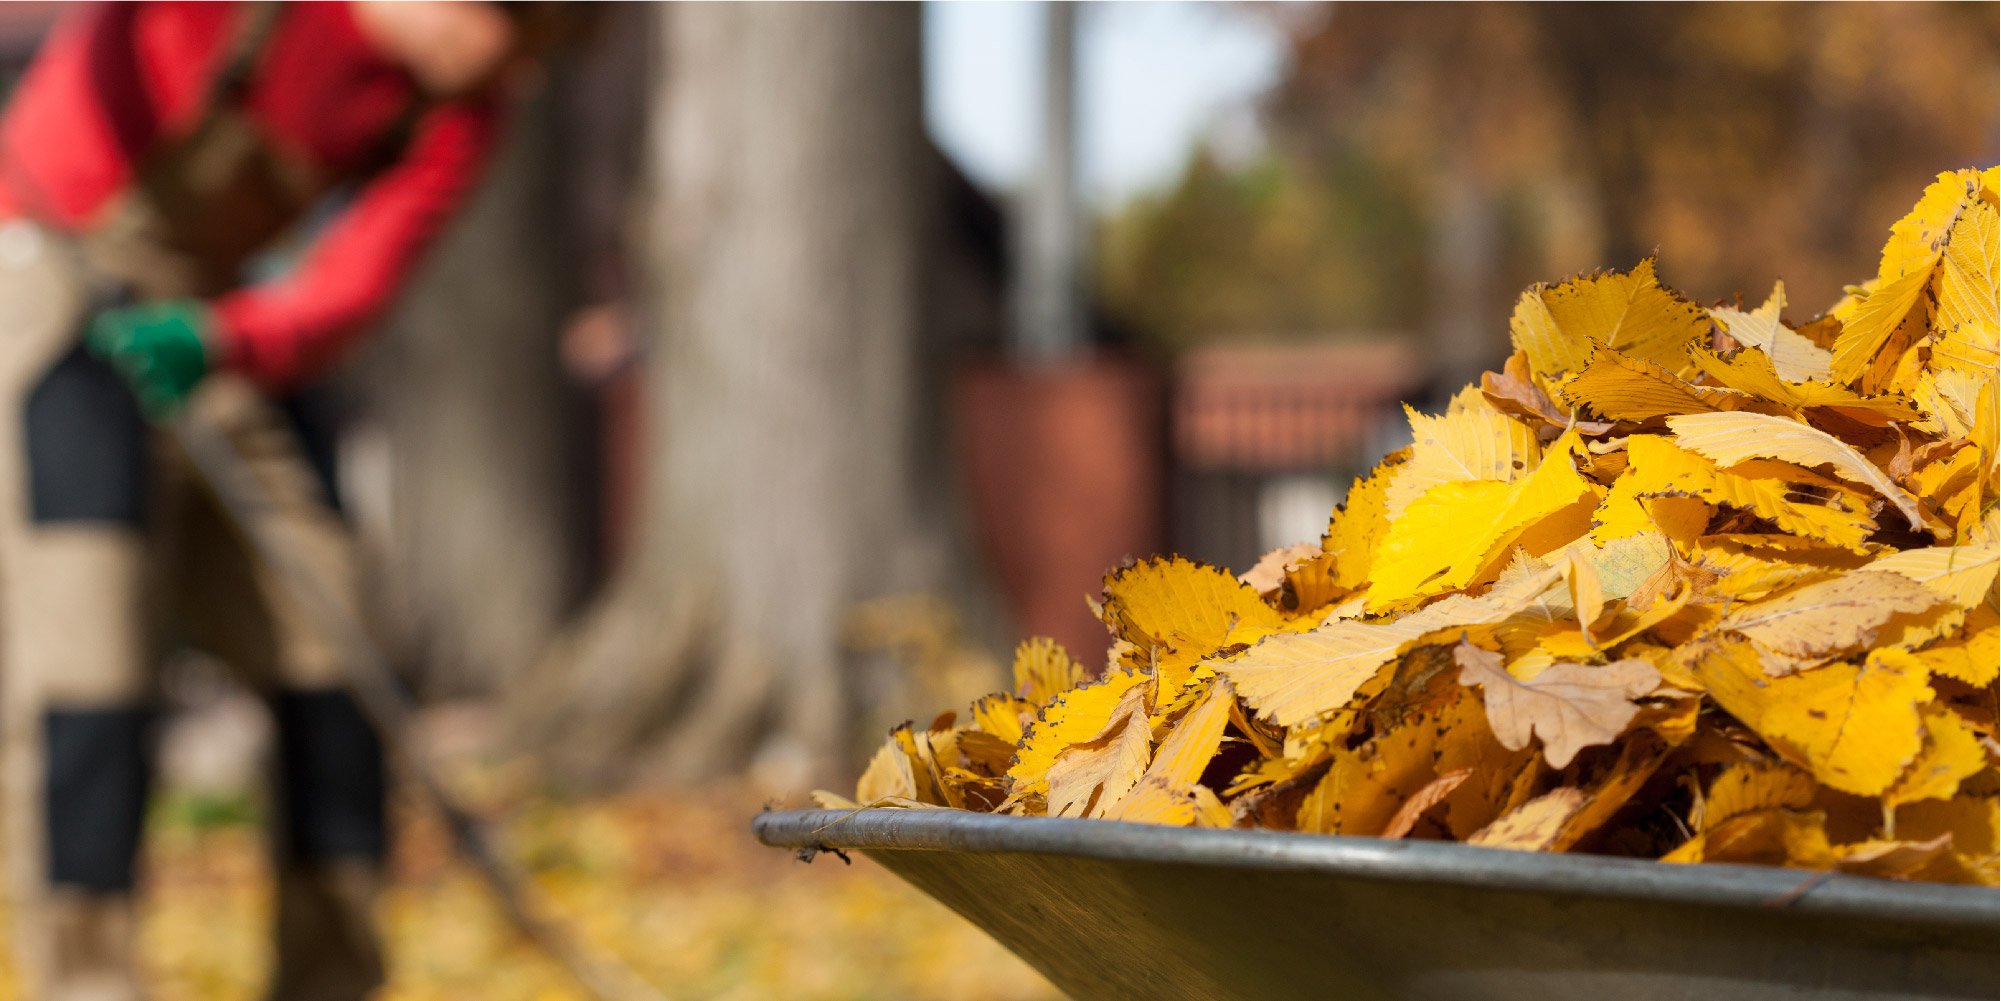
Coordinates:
(1066, 473)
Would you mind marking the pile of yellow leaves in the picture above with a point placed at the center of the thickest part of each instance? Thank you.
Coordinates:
(1683, 583)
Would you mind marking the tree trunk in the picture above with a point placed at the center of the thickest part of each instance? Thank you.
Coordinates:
(783, 376)
(481, 534)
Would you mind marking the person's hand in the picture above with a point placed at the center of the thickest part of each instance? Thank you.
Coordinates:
(161, 348)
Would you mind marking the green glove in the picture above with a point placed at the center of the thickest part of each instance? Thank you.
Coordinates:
(161, 348)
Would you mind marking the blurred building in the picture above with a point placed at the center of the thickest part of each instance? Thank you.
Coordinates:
(1267, 435)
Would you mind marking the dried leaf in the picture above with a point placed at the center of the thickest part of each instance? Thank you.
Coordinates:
(1831, 616)
(1951, 753)
(1569, 706)
(1855, 726)
(1089, 777)
(1042, 669)
(1628, 389)
(1964, 574)
(1290, 679)
(1458, 534)
(1793, 358)
(1433, 793)
(1629, 312)
(1532, 631)
(1729, 439)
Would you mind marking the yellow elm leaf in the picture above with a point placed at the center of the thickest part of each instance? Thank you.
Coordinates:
(1002, 715)
(1624, 563)
(1433, 793)
(1629, 312)
(1950, 400)
(1986, 433)
(1974, 659)
(1887, 859)
(1728, 439)
(1043, 669)
(1619, 388)
(1535, 825)
(1545, 536)
(1155, 801)
(1365, 786)
(1965, 574)
(827, 800)
(1867, 327)
(1641, 754)
(1518, 391)
(1674, 583)
(1293, 678)
(1457, 533)
(1176, 611)
(1360, 523)
(989, 755)
(1746, 576)
(1661, 468)
(1180, 603)
(1791, 356)
(1763, 837)
(1951, 753)
(1453, 525)
(1636, 619)
(1569, 706)
(1911, 631)
(1900, 361)
(1188, 748)
(888, 775)
(933, 752)
(1472, 444)
(1910, 259)
(1751, 372)
(1829, 617)
(1803, 550)
(1073, 717)
(1311, 585)
(1917, 239)
(922, 765)
(1613, 786)
(1751, 786)
(1856, 727)
(1953, 485)
(1625, 512)
(1972, 821)
(1749, 567)
(1965, 318)
(1498, 780)
(1086, 779)
(1268, 573)
(1587, 592)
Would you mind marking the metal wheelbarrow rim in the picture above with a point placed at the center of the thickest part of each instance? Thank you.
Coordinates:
(1711, 885)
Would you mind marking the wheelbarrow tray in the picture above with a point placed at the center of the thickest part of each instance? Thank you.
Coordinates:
(1113, 911)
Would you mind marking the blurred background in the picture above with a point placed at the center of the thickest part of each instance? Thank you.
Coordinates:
(792, 362)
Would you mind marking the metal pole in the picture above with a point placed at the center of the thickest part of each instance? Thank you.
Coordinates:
(1048, 306)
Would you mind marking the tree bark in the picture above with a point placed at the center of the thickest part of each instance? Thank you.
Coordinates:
(782, 366)
(481, 535)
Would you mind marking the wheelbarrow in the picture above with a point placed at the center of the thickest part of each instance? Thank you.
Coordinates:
(1134, 912)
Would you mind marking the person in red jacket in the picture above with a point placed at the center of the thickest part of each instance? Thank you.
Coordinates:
(148, 155)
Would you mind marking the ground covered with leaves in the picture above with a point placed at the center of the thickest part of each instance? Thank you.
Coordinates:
(1680, 582)
(672, 885)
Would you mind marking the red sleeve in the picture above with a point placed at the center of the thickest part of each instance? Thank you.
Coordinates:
(286, 331)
